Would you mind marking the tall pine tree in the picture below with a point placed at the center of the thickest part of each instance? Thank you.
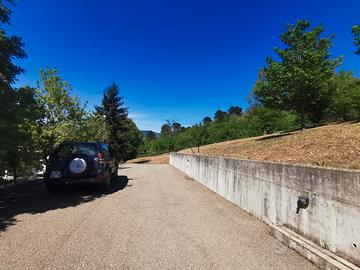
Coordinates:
(115, 115)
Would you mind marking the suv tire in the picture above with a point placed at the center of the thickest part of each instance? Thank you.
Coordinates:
(105, 186)
(114, 175)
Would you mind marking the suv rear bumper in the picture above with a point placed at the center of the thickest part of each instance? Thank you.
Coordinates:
(69, 181)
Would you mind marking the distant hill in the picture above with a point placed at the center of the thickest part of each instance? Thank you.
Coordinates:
(145, 132)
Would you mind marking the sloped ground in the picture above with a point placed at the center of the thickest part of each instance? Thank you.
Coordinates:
(336, 145)
(331, 146)
(160, 159)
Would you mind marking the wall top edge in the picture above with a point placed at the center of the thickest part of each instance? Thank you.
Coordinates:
(272, 162)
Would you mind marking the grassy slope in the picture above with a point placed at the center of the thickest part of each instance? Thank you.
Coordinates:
(335, 145)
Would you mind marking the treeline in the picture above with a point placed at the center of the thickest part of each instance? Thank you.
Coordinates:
(224, 126)
(34, 120)
(299, 87)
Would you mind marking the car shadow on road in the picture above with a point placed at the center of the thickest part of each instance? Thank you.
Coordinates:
(119, 183)
(31, 197)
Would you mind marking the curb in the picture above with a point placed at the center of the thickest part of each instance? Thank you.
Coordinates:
(314, 253)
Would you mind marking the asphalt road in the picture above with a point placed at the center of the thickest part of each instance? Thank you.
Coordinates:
(155, 218)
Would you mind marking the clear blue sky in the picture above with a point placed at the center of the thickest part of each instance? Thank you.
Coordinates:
(172, 59)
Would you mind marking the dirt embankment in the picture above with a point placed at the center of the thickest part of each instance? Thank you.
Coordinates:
(160, 159)
(336, 145)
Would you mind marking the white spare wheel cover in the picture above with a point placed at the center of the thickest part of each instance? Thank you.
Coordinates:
(77, 165)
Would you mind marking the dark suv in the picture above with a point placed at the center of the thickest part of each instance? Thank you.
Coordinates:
(78, 163)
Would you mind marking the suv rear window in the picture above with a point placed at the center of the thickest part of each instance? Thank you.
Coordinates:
(68, 150)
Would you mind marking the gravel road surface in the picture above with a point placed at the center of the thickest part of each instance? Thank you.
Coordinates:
(154, 218)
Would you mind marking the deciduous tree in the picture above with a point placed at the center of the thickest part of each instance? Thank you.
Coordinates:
(11, 49)
(150, 135)
(133, 139)
(206, 120)
(20, 148)
(235, 110)
(346, 99)
(176, 127)
(220, 115)
(64, 115)
(165, 130)
(356, 33)
(301, 79)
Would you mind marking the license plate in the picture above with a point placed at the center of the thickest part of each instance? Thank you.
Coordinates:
(55, 174)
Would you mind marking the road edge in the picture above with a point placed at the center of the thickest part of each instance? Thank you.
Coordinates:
(314, 253)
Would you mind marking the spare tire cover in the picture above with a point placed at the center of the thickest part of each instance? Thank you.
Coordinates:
(77, 165)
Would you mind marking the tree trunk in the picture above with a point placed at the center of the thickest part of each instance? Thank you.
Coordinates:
(302, 117)
(14, 174)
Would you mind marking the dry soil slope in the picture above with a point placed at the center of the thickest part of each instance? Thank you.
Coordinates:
(336, 145)
(160, 159)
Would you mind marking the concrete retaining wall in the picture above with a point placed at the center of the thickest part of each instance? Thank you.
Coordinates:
(270, 192)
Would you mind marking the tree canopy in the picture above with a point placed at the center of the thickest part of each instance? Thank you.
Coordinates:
(63, 114)
(150, 135)
(356, 33)
(301, 79)
(124, 138)
(235, 110)
(220, 115)
(206, 120)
